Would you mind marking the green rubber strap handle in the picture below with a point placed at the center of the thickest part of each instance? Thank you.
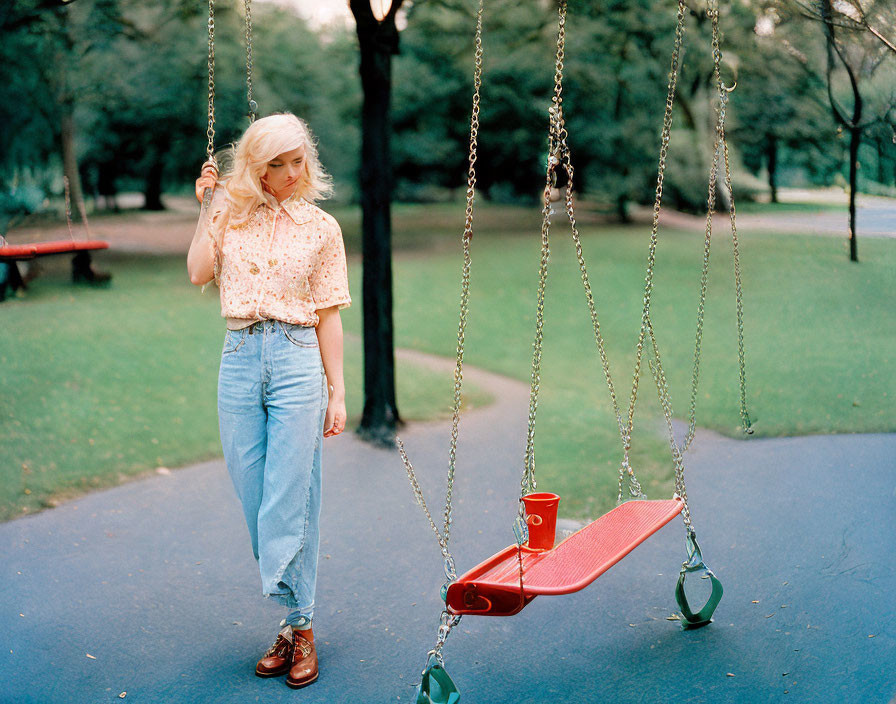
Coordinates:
(695, 565)
(436, 687)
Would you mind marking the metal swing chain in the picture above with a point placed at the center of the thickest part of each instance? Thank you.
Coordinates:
(68, 211)
(625, 468)
(724, 92)
(68, 208)
(710, 208)
(738, 292)
(559, 153)
(589, 295)
(662, 388)
(556, 144)
(655, 363)
(447, 620)
(444, 535)
(721, 148)
(210, 132)
(253, 106)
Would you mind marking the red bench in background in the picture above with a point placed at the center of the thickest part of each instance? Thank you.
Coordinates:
(82, 271)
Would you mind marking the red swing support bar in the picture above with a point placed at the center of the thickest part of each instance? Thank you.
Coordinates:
(492, 588)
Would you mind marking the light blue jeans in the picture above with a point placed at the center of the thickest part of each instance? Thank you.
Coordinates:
(272, 401)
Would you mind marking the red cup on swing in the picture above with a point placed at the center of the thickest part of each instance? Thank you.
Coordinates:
(541, 519)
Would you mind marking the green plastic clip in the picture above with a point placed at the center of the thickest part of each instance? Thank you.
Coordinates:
(695, 565)
(436, 687)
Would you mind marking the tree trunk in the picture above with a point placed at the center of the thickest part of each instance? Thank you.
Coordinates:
(772, 156)
(853, 125)
(70, 160)
(622, 208)
(152, 190)
(378, 42)
(855, 141)
(881, 155)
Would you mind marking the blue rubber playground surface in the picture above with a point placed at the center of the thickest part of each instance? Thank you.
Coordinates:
(148, 592)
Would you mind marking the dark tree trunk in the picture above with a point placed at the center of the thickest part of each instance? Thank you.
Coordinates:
(852, 124)
(152, 193)
(772, 156)
(106, 185)
(152, 186)
(855, 141)
(881, 154)
(622, 209)
(378, 42)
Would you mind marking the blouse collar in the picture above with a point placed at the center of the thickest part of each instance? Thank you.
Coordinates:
(296, 208)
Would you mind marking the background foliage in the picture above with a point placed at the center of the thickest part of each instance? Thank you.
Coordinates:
(133, 76)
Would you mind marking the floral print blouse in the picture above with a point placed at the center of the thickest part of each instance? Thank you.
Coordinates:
(285, 263)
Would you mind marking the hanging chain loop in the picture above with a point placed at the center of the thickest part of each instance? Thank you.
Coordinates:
(444, 535)
(720, 150)
(556, 141)
(710, 209)
(625, 470)
(68, 208)
(253, 106)
(447, 621)
(654, 361)
(210, 132)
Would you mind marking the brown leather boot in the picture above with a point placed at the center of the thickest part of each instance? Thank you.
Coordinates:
(304, 660)
(278, 658)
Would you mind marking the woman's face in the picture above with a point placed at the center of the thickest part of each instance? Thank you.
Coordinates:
(284, 172)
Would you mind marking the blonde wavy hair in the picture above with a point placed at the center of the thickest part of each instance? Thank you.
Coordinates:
(264, 140)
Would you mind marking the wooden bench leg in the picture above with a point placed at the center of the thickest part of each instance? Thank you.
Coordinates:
(10, 278)
(83, 271)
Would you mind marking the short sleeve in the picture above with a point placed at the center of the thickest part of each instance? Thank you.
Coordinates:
(329, 280)
(210, 228)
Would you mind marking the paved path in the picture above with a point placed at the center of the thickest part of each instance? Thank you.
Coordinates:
(875, 220)
(150, 589)
(875, 216)
(171, 231)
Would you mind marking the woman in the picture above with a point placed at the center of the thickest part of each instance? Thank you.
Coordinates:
(279, 262)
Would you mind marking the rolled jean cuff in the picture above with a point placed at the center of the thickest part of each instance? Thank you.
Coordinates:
(301, 619)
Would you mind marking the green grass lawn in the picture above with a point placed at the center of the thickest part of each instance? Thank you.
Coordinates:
(819, 331)
(100, 385)
(789, 207)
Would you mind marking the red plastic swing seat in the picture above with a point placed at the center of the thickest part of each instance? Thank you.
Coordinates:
(37, 249)
(493, 587)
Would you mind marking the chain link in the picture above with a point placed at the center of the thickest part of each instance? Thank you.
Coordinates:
(443, 536)
(210, 132)
(720, 150)
(724, 92)
(710, 209)
(68, 207)
(662, 388)
(625, 468)
(655, 363)
(559, 155)
(418, 497)
(557, 147)
(253, 106)
(738, 292)
(447, 621)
